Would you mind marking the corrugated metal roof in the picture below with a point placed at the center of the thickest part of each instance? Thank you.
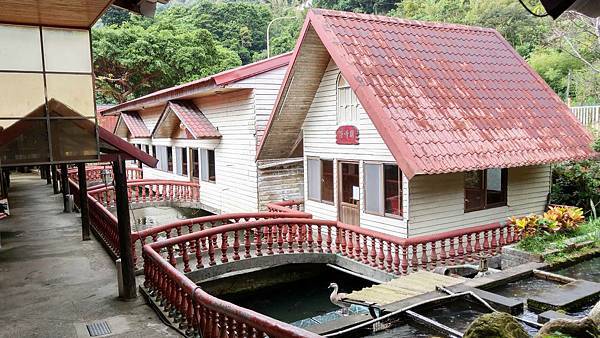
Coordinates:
(135, 124)
(219, 79)
(448, 98)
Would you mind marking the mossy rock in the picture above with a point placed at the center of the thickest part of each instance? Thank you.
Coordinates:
(495, 325)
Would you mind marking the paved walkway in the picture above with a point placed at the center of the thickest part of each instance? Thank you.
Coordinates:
(52, 283)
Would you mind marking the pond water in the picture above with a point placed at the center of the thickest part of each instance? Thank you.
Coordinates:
(525, 288)
(588, 270)
(303, 301)
(405, 330)
(455, 314)
(149, 217)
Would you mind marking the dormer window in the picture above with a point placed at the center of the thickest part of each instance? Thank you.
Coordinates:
(347, 103)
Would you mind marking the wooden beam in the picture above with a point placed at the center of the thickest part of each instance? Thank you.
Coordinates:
(48, 174)
(83, 202)
(128, 270)
(54, 179)
(64, 184)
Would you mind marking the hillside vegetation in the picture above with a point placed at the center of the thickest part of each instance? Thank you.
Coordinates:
(189, 39)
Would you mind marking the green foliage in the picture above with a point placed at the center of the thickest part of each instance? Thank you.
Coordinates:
(589, 231)
(240, 26)
(554, 66)
(142, 56)
(557, 220)
(358, 6)
(576, 183)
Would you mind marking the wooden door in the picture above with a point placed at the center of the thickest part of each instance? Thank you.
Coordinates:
(349, 193)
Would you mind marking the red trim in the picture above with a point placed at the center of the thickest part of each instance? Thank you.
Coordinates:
(191, 88)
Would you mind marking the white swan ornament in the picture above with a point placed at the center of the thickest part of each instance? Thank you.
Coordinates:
(336, 298)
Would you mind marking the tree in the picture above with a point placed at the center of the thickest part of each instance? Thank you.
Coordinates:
(359, 6)
(240, 26)
(142, 56)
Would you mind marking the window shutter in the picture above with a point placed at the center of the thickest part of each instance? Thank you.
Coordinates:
(204, 164)
(314, 179)
(373, 191)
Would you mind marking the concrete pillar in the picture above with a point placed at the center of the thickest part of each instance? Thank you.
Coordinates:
(83, 202)
(54, 179)
(128, 270)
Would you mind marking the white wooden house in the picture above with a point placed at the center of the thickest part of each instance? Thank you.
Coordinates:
(208, 130)
(412, 128)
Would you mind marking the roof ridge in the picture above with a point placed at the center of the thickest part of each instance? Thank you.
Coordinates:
(397, 20)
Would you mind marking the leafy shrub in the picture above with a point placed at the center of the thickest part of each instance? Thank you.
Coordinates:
(576, 183)
(526, 226)
(564, 218)
(558, 219)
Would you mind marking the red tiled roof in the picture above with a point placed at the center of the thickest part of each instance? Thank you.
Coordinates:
(135, 124)
(219, 79)
(193, 119)
(107, 122)
(447, 98)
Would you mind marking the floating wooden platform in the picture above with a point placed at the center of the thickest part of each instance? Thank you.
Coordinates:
(403, 287)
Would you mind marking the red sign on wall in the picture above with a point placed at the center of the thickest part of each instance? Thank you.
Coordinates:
(346, 135)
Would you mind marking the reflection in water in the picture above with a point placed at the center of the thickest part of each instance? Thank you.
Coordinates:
(588, 270)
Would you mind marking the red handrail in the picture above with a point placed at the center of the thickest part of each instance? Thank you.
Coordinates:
(187, 226)
(201, 312)
(285, 206)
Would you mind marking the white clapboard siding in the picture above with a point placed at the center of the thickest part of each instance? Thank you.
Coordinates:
(150, 116)
(266, 87)
(279, 183)
(319, 130)
(156, 174)
(437, 201)
(235, 167)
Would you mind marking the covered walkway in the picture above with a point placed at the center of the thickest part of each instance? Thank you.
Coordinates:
(51, 282)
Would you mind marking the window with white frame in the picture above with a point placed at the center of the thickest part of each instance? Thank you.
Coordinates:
(182, 161)
(320, 180)
(347, 102)
(383, 189)
(207, 165)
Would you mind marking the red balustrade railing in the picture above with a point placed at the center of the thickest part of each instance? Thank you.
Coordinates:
(167, 261)
(298, 235)
(145, 191)
(286, 206)
(94, 173)
(102, 221)
(188, 226)
(199, 313)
